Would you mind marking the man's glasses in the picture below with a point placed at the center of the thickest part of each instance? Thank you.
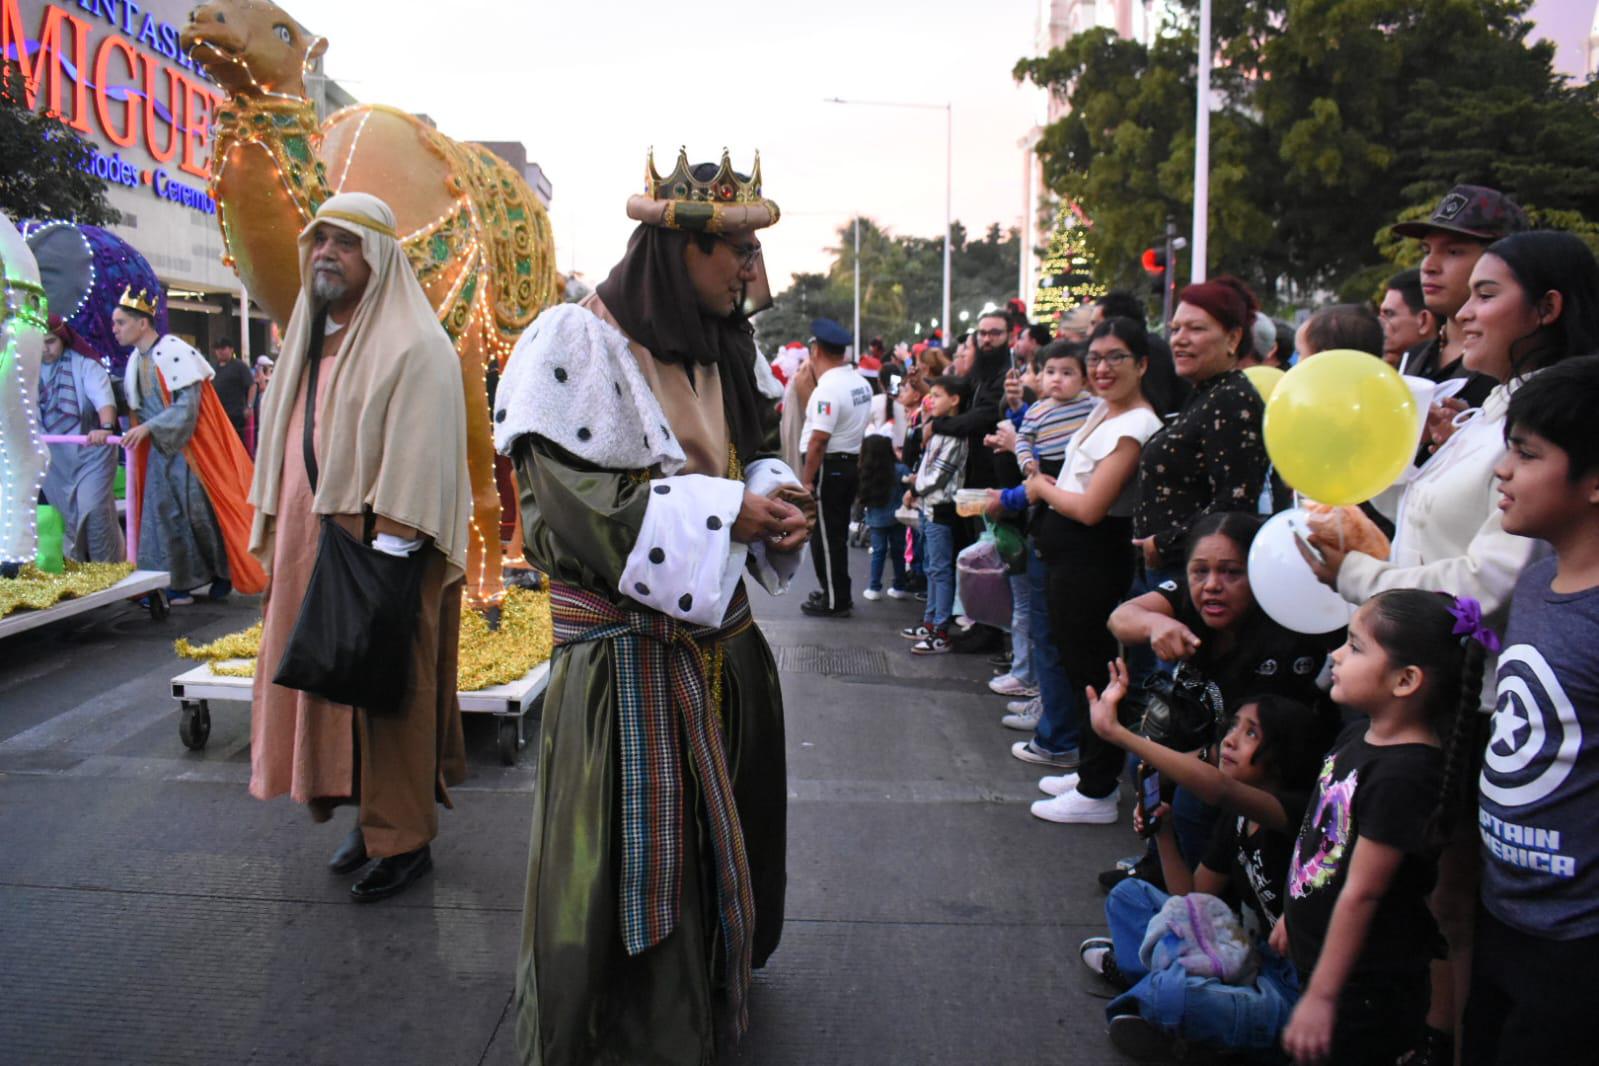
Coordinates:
(747, 253)
(1108, 359)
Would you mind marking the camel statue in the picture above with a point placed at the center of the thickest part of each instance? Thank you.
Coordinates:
(478, 238)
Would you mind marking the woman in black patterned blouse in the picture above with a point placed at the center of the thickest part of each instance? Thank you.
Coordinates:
(1210, 457)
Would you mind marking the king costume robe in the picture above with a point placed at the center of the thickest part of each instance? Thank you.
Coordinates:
(593, 496)
(178, 530)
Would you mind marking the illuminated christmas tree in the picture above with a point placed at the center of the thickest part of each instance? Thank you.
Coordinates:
(1066, 273)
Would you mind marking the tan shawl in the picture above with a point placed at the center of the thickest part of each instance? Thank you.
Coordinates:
(391, 423)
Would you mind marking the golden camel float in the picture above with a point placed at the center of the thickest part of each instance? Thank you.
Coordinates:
(477, 237)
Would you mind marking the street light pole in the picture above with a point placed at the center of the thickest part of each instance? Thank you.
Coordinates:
(1202, 150)
(949, 181)
(857, 333)
(949, 195)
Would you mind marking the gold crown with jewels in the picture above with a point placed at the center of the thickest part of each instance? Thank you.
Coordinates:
(725, 201)
(140, 301)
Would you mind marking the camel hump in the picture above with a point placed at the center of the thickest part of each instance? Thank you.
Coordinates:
(520, 244)
(440, 189)
(395, 157)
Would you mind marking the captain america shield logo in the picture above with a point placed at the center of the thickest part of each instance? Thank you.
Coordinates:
(1536, 735)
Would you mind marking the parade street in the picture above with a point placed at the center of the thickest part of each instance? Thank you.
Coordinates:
(152, 912)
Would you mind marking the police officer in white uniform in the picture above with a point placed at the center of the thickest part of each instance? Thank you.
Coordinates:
(835, 421)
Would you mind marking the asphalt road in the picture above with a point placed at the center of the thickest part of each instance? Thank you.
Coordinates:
(151, 912)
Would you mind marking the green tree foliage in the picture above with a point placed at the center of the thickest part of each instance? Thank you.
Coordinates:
(1332, 119)
(45, 174)
(902, 284)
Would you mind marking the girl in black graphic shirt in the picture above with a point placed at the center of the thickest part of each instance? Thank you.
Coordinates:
(1356, 921)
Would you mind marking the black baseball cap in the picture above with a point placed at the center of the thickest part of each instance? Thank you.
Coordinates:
(1474, 211)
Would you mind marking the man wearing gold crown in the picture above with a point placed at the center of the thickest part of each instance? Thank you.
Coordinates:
(642, 426)
(192, 509)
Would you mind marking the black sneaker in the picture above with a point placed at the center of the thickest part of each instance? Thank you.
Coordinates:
(919, 631)
(1099, 956)
(821, 610)
(976, 638)
(1145, 869)
(936, 643)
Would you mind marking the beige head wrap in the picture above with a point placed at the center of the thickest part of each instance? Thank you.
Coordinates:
(391, 423)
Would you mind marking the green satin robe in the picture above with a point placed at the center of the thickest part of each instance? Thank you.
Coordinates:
(580, 998)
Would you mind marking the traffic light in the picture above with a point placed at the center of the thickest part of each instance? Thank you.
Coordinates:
(1154, 263)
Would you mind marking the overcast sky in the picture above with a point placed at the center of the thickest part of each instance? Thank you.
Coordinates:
(590, 85)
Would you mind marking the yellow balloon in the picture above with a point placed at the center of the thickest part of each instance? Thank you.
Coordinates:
(1265, 379)
(1341, 427)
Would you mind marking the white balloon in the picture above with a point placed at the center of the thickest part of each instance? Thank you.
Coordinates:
(1284, 584)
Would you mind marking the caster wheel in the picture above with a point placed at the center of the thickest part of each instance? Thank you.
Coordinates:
(510, 741)
(194, 727)
(159, 607)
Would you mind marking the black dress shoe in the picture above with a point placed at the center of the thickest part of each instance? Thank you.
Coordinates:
(392, 875)
(351, 855)
(820, 609)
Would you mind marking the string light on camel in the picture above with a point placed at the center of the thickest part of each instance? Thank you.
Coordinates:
(22, 463)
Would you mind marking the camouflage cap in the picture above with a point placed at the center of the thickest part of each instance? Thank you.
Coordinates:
(1474, 211)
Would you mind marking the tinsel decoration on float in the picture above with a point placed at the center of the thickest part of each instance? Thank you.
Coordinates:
(23, 456)
(34, 589)
(476, 235)
(488, 657)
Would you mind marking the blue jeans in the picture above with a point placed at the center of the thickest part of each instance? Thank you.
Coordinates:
(1199, 1009)
(1021, 638)
(887, 542)
(940, 562)
(1057, 725)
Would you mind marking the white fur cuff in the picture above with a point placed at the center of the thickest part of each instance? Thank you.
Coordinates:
(685, 563)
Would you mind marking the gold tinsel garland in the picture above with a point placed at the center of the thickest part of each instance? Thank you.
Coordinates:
(33, 589)
(488, 657)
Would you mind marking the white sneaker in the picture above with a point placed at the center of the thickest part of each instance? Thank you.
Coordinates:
(1058, 784)
(1024, 715)
(871, 594)
(1074, 808)
(1008, 685)
(898, 594)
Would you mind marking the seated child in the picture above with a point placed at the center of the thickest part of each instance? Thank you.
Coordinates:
(1268, 763)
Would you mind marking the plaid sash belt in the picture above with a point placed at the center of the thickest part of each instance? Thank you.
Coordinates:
(660, 673)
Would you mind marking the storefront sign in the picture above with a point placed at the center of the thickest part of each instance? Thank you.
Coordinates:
(111, 70)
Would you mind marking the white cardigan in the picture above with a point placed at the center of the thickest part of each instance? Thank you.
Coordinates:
(1449, 536)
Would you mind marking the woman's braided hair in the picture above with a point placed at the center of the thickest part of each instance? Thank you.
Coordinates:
(1418, 628)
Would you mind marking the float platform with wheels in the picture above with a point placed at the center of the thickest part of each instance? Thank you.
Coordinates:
(149, 583)
(196, 689)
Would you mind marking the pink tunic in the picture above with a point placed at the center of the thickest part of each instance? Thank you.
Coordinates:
(299, 743)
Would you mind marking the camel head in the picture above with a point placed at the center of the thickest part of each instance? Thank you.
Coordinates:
(252, 47)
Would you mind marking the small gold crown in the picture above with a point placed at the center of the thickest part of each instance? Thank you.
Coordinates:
(140, 301)
(724, 187)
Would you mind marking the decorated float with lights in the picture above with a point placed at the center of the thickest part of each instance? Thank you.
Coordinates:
(31, 596)
(480, 243)
(477, 236)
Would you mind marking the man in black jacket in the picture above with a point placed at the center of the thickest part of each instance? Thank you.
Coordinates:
(985, 469)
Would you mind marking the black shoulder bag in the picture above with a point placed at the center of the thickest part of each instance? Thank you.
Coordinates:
(352, 639)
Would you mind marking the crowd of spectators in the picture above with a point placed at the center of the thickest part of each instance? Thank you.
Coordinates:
(1374, 832)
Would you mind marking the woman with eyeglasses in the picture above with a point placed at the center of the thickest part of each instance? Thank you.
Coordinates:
(1082, 561)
